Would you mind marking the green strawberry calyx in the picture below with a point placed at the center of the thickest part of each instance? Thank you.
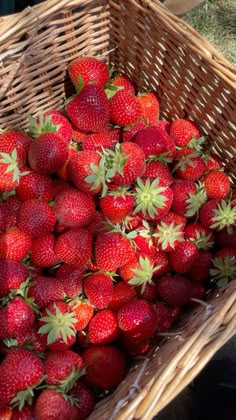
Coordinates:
(168, 235)
(196, 200)
(224, 270)
(149, 197)
(26, 395)
(42, 125)
(58, 324)
(225, 216)
(197, 143)
(10, 160)
(144, 274)
(98, 176)
(202, 240)
(183, 162)
(65, 385)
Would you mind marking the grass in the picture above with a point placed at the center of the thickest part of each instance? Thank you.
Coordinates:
(215, 20)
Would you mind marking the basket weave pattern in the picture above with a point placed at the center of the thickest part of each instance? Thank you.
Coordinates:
(160, 52)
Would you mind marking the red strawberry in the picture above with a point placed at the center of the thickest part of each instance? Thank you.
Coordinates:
(163, 125)
(15, 318)
(148, 293)
(218, 214)
(3, 217)
(74, 208)
(34, 185)
(42, 251)
(98, 141)
(164, 318)
(97, 223)
(54, 405)
(86, 171)
(151, 199)
(58, 324)
(223, 238)
(98, 288)
(122, 293)
(137, 319)
(217, 184)
(187, 198)
(47, 153)
(63, 172)
(112, 250)
(103, 327)
(51, 122)
(156, 169)
(32, 340)
(150, 107)
(63, 369)
(198, 292)
(134, 347)
(78, 135)
(123, 82)
(190, 167)
(20, 371)
(35, 217)
(45, 290)
(13, 273)
(200, 270)
(27, 413)
(83, 70)
(212, 161)
(201, 236)
(83, 312)
(74, 246)
(184, 132)
(155, 142)
(161, 263)
(144, 239)
(175, 291)
(116, 205)
(14, 244)
(125, 108)
(183, 257)
(138, 271)
(85, 398)
(17, 140)
(105, 366)
(11, 205)
(71, 278)
(89, 110)
(130, 130)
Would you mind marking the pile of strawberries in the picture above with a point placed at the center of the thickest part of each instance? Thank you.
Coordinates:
(112, 223)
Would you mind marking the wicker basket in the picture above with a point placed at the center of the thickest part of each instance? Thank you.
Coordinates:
(193, 80)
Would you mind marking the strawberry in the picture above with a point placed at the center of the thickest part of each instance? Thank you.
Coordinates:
(174, 290)
(223, 237)
(169, 231)
(201, 236)
(11, 205)
(151, 199)
(14, 244)
(35, 217)
(74, 208)
(125, 108)
(112, 250)
(189, 167)
(20, 372)
(83, 312)
(116, 205)
(122, 293)
(148, 293)
(74, 246)
(137, 319)
(63, 369)
(187, 197)
(54, 405)
(138, 271)
(78, 135)
(224, 266)
(27, 413)
(103, 327)
(98, 288)
(15, 318)
(87, 172)
(125, 83)
(198, 292)
(184, 255)
(129, 131)
(45, 290)
(51, 121)
(34, 185)
(89, 110)
(3, 217)
(155, 142)
(161, 263)
(9, 171)
(144, 239)
(200, 269)
(99, 141)
(163, 125)
(13, 273)
(105, 366)
(156, 169)
(212, 161)
(164, 318)
(85, 398)
(42, 251)
(71, 278)
(58, 324)
(150, 106)
(217, 184)
(63, 172)
(184, 132)
(134, 347)
(83, 70)
(17, 140)
(47, 153)
(32, 340)
(218, 214)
